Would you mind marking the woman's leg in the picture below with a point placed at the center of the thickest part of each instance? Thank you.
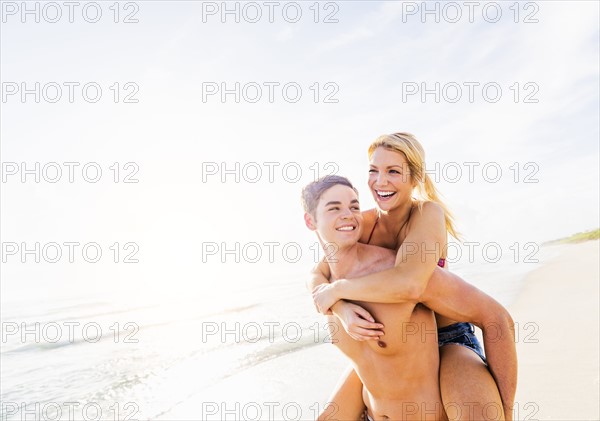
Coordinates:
(468, 390)
(346, 402)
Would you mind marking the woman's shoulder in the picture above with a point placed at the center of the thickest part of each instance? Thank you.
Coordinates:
(425, 213)
(429, 208)
(429, 217)
(370, 215)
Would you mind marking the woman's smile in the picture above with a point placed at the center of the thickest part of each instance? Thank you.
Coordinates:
(384, 194)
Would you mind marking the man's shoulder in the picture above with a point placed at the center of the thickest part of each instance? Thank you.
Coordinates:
(379, 256)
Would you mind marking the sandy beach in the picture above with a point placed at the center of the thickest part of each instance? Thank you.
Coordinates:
(558, 374)
(557, 318)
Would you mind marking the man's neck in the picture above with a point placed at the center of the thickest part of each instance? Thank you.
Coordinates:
(344, 260)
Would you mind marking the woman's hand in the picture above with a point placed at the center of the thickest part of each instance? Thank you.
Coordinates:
(357, 321)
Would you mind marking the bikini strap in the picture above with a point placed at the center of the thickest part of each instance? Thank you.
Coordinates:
(407, 219)
(373, 229)
(399, 231)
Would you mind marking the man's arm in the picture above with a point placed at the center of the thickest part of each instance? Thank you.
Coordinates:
(346, 402)
(450, 296)
(319, 275)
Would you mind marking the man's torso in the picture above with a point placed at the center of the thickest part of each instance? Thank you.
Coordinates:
(400, 371)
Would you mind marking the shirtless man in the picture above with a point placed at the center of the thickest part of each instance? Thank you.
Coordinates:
(400, 371)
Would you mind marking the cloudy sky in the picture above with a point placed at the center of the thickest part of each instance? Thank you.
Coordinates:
(509, 88)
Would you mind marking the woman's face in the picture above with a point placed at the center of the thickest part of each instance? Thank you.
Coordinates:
(390, 180)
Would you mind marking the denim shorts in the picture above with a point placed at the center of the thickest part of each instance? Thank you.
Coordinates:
(461, 334)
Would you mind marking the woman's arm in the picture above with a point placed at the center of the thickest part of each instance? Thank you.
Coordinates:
(357, 321)
(415, 262)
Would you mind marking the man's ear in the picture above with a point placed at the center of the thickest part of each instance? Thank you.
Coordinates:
(309, 221)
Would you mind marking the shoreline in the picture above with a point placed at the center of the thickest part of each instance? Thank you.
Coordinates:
(558, 380)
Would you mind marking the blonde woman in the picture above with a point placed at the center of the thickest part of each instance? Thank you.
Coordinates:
(472, 386)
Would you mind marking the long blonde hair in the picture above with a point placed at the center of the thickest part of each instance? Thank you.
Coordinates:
(408, 145)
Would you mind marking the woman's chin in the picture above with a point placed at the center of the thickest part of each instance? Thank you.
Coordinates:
(384, 205)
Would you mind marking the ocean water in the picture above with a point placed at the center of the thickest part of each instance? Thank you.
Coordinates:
(100, 357)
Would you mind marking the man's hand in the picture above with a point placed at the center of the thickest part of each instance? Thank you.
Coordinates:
(324, 298)
(357, 321)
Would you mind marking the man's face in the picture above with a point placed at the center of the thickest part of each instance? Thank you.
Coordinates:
(337, 218)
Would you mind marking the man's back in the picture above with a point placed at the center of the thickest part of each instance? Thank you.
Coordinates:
(400, 371)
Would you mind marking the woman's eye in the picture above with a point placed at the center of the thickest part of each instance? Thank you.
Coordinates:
(372, 171)
(395, 172)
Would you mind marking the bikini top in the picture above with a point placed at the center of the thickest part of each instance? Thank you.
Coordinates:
(441, 263)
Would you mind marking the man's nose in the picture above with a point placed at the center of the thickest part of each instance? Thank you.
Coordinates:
(346, 213)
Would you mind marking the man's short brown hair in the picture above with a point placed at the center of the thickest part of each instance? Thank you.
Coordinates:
(312, 192)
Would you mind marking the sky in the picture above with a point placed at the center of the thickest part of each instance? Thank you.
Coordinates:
(362, 69)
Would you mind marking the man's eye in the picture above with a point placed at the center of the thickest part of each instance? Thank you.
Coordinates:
(332, 209)
(356, 208)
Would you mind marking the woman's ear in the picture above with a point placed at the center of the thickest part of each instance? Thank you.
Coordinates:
(309, 221)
